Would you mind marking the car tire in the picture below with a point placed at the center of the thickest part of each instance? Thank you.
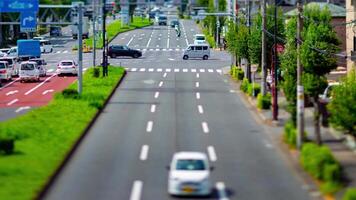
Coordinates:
(113, 55)
(51, 50)
(185, 57)
(205, 57)
(136, 55)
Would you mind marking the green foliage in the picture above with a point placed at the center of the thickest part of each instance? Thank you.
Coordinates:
(242, 41)
(314, 84)
(264, 101)
(244, 85)
(209, 38)
(320, 163)
(253, 89)
(350, 194)
(237, 72)
(343, 107)
(330, 187)
(96, 72)
(58, 126)
(290, 134)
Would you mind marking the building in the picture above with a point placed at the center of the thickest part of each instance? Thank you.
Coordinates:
(351, 34)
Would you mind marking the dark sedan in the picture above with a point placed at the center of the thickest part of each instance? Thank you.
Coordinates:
(121, 50)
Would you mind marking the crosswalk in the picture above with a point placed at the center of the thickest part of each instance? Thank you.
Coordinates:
(140, 49)
(175, 70)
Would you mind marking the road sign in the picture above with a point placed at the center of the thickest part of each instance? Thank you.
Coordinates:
(19, 5)
(28, 22)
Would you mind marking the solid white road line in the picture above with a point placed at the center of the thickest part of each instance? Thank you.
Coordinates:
(22, 108)
(160, 84)
(220, 187)
(200, 109)
(12, 82)
(212, 154)
(186, 40)
(149, 126)
(197, 84)
(149, 41)
(39, 85)
(168, 42)
(198, 75)
(153, 108)
(205, 127)
(197, 95)
(47, 91)
(12, 92)
(144, 152)
(130, 41)
(12, 102)
(165, 74)
(136, 190)
(156, 95)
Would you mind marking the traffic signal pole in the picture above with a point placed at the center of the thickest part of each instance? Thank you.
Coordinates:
(80, 48)
(300, 88)
(105, 58)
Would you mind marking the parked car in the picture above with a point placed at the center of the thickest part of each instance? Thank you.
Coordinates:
(12, 64)
(189, 174)
(67, 67)
(122, 50)
(29, 71)
(199, 39)
(197, 51)
(41, 66)
(5, 71)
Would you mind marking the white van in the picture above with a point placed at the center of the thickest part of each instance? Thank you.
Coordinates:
(5, 71)
(46, 46)
(197, 51)
(199, 39)
(11, 61)
(29, 71)
(12, 52)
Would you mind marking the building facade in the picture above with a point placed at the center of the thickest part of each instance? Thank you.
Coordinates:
(351, 34)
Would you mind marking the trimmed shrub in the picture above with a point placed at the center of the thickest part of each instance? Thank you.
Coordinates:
(244, 85)
(70, 93)
(350, 194)
(319, 161)
(7, 145)
(240, 74)
(264, 102)
(290, 134)
(330, 187)
(253, 89)
(96, 72)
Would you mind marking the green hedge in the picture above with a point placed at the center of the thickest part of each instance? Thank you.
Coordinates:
(290, 134)
(320, 163)
(264, 102)
(350, 194)
(244, 85)
(237, 72)
(41, 146)
(253, 89)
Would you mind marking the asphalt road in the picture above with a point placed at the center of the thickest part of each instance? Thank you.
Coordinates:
(168, 104)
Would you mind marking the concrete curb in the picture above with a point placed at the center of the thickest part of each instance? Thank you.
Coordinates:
(69, 155)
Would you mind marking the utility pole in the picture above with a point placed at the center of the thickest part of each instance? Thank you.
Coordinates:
(80, 49)
(300, 88)
(94, 33)
(264, 49)
(274, 68)
(105, 58)
(248, 66)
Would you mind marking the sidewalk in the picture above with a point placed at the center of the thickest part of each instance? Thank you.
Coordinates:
(333, 139)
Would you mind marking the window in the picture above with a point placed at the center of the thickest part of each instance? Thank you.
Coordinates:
(192, 48)
(190, 165)
(118, 47)
(205, 48)
(9, 61)
(200, 38)
(66, 63)
(27, 67)
(198, 48)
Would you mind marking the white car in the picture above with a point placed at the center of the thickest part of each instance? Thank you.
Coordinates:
(12, 64)
(5, 71)
(40, 66)
(189, 174)
(199, 39)
(29, 71)
(67, 67)
(46, 46)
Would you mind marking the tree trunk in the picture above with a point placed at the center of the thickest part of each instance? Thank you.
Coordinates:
(317, 120)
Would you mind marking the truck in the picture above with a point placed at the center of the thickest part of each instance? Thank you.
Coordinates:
(85, 27)
(25, 49)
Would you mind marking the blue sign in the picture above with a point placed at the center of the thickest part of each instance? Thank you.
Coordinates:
(19, 5)
(28, 22)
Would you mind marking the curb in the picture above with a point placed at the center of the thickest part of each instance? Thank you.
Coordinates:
(75, 146)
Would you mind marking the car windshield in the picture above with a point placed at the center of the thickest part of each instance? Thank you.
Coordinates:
(200, 38)
(9, 61)
(66, 63)
(27, 67)
(162, 18)
(190, 164)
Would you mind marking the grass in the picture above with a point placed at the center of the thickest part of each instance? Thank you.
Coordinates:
(47, 134)
(115, 28)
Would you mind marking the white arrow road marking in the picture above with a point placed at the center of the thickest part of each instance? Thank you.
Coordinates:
(12, 102)
(136, 190)
(130, 41)
(22, 108)
(144, 152)
(220, 187)
(12, 92)
(47, 91)
(205, 127)
(212, 154)
(149, 126)
(39, 85)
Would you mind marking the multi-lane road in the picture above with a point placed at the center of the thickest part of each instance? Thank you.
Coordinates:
(165, 105)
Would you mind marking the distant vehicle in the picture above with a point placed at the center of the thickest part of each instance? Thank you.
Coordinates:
(2, 54)
(199, 39)
(5, 71)
(85, 28)
(46, 46)
(67, 67)
(29, 71)
(41, 66)
(122, 50)
(197, 51)
(11, 61)
(39, 38)
(25, 49)
(174, 22)
(162, 20)
(55, 31)
(189, 174)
